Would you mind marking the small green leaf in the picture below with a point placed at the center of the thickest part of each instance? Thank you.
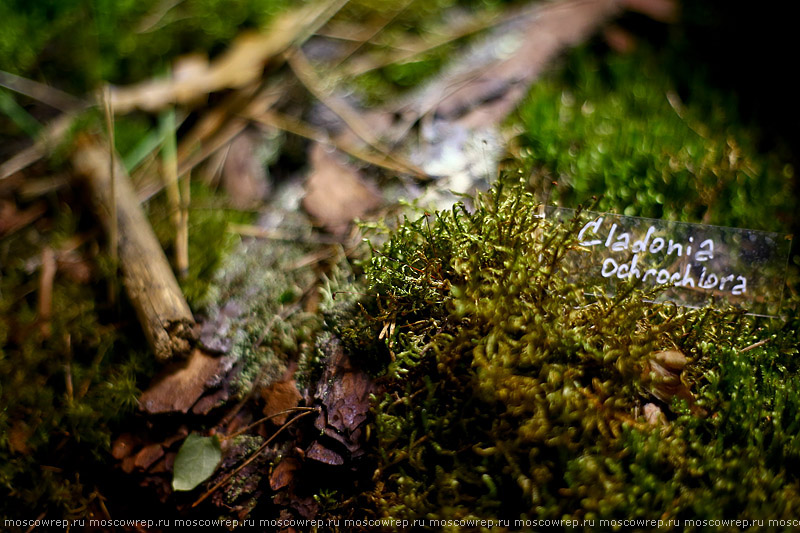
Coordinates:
(196, 461)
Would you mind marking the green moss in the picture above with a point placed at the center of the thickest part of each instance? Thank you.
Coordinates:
(615, 127)
(513, 395)
(66, 385)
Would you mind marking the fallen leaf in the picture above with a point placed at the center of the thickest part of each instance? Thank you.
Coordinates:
(196, 460)
(243, 176)
(336, 194)
(180, 384)
(278, 397)
(283, 474)
(320, 453)
(208, 402)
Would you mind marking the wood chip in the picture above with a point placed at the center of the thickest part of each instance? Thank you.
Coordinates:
(320, 453)
(148, 455)
(149, 281)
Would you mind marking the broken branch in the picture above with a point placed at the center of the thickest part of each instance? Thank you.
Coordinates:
(149, 282)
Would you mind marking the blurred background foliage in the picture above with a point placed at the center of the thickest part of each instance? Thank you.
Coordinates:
(76, 45)
(614, 126)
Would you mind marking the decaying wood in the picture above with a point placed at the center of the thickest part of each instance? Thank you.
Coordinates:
(180, 384)
(149, 282)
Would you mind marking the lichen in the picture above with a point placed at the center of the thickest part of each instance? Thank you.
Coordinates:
(267, 327)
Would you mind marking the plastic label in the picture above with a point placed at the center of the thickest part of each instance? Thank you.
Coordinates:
(699, 264)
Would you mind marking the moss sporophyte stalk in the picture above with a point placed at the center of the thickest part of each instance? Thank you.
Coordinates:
(510, 392)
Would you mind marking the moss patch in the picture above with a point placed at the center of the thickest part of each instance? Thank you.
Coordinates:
(513, 395)
(615, 127)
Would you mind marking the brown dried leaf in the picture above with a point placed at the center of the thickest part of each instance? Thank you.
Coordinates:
(243, 176)
(320, 453)
(278, 397)
(283, 473)
(180, 384)
(336, 194)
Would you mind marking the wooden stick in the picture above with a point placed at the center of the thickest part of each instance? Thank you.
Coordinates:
(149, 282)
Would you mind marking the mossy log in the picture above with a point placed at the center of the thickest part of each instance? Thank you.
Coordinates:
(149, 281)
